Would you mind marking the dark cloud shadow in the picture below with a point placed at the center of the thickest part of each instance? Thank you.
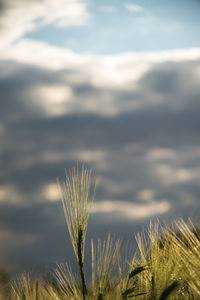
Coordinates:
(36, 148)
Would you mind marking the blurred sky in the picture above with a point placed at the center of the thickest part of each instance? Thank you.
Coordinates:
(111, 83)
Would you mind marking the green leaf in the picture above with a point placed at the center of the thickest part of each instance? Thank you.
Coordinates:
(140, 294)
(127, 292)
(169, 290)
(136, 271)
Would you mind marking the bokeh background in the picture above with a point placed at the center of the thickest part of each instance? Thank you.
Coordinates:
(114, 84)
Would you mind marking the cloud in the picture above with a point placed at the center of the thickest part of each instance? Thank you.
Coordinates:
(162, 154)
(8, 191)
(51, 192)
(138, 129)
(102, 70)
(171, 176)
(133, 117)
(133, 7)
(146, 195)
(127, 210)
(53, 99)
(16, 22)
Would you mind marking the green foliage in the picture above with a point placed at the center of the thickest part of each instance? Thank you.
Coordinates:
(165, 266)
(104, 260)
(26, 289)
(67, 282)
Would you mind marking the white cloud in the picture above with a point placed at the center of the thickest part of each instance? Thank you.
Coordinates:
(21, 17)
(108, 74)
(171, 175)
(9, 194)
(146, 195)
(156, 154)
(117, 70)
(51, 192)
(54, 99)
(133, 7)
(131, 211)
(88, 155)
(105, 72)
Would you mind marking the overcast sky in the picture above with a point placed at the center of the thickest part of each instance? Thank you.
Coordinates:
(114, 84)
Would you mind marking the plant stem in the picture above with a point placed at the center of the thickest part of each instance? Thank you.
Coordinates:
(84, 289)
(80, 261)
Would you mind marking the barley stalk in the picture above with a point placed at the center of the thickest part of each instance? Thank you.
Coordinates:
(77, 199)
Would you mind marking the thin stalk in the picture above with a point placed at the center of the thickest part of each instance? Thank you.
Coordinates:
(81, 263)
(77, 198)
